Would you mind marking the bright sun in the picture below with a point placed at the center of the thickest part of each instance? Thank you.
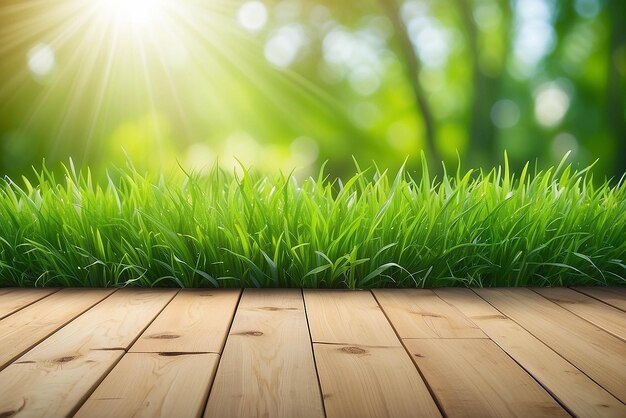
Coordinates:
(100, 64)
(132, 12)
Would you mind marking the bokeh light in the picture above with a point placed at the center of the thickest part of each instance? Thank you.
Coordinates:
(40, 60)
(551, 104)
(587, 8)
(293, 83)
(281, 49)
(534, 34)
(562, 143)
(505, 113)
(252, 15)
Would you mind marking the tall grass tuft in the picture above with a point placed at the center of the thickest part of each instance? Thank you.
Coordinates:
(550, 228)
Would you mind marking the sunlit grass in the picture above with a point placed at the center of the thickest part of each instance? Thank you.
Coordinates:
(374, 230)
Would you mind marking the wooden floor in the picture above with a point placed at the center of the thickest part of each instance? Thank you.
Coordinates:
(313, 353)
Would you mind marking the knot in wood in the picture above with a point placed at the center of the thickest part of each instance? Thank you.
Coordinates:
(164, 336)
(353, 350)
(64, 359)
(250, 333)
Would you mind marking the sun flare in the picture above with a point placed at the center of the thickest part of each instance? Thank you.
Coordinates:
(132, 12)
(152, 67)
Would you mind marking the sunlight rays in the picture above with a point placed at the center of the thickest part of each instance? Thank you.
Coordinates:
(104, 63)
(133, 12)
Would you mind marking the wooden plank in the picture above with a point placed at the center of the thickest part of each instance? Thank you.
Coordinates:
(361, 381)
(114, 323)
(195, 321)
(153, 385)
(473, 377)
(267, 368)
(364, 371)
(420, 313)
(15, 299)
(347, 317)
(600, 314)
(25, 328)
(579, 394)
(614, 296)
(596, 353)
(7, 290)
(52, 388)
(55, 377)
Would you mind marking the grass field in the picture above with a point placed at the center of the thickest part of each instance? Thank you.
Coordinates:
(556, 227)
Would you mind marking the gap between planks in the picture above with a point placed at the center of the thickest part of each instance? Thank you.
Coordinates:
(163, 360)
(614, 296)
(267, 365)
(598, 313)
(175, 376)
(56, 376)
(364, 371)
(590, 349)
(455, 388)
(576, 392)
(319, 384)
(13, 300)
(26, 328)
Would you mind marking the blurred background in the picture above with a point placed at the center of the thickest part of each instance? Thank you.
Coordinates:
(289, 84)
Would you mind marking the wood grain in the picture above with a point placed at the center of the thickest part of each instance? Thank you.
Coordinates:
(361, 381)
(52, 388)
(59, 373)
(267, 369)
(12, 300)
(420, 313)
(491, 352)
(474, 378)
(195, 321)
(363, 369)
(7, 290)
(610, 319)
(579, 394)
(162, 386)
(25, 328)
(347, 317)
(596, 353)
(614, 296)
(113, 324)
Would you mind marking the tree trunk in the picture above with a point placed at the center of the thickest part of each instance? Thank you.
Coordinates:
(484, 93)
(616, 88)
(413, 66)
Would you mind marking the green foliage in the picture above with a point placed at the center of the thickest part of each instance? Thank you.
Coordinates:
(376, 79)
(494, 228)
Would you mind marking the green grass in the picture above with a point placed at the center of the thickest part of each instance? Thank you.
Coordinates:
(551, 228)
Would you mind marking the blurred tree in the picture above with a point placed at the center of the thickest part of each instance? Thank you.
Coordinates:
(485, 87)
(412, 68)
(615, 85)
(279, 83)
